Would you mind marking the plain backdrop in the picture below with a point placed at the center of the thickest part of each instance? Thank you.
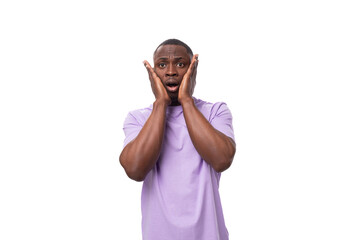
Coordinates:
(70, 71)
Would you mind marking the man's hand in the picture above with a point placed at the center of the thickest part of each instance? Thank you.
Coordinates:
(156, 85)
(188, 82)
(141, 154)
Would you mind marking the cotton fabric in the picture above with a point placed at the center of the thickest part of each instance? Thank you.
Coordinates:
(180, 195)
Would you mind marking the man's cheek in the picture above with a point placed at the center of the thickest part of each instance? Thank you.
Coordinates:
(163, 82)
(156, 70)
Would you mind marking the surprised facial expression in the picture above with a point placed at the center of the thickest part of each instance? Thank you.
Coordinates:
(171, 62)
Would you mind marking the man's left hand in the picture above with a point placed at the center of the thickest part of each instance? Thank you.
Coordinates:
(189, 80)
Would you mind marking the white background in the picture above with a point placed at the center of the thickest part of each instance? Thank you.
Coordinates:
(71, 70)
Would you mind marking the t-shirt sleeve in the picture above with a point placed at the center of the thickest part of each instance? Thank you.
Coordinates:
(221, 119)
(131, 128)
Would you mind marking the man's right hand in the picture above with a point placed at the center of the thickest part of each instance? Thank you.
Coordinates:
(156, 85)
(141, 154)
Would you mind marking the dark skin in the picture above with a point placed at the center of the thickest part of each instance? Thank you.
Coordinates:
(173, 81)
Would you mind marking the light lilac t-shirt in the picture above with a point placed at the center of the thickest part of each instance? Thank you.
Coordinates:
(180, 196)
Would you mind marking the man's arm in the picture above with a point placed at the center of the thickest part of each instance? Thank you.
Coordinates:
(214, 147)
(140, 155)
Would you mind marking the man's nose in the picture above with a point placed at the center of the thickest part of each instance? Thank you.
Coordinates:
(171, 71)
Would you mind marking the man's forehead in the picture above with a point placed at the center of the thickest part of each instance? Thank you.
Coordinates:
(171, 51)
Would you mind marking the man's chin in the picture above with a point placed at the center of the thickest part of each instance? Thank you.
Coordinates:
(173, 95)
(174, 99)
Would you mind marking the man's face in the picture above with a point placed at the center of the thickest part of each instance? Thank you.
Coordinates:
(170, 64)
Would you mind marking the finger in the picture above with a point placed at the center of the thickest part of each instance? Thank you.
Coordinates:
(194, 68)
(154, 78)
(196, 64)
(194, 60)
(146, 64)
(194, 71)
(191, 67)
(149, 70)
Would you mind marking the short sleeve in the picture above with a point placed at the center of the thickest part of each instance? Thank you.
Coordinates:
(221, 119)
(131, 128)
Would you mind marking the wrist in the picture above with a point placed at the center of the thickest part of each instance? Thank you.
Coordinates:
(189, 101)
(160, 104)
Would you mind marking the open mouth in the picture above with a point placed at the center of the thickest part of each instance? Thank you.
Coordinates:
(172, 86)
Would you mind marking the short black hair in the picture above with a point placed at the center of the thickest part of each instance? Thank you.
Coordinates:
(174, 41)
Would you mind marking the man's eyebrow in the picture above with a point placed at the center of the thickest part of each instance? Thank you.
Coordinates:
(166, 58)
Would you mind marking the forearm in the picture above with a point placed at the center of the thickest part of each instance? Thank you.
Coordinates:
(140, 155)
(214, 147)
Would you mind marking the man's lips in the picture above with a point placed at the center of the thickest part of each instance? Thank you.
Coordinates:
(172, 85)
(172, 88)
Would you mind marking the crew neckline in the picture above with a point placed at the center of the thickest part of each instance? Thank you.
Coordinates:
(174, 109)
(177, 109)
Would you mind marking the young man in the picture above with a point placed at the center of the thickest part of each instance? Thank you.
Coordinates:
(178, 146)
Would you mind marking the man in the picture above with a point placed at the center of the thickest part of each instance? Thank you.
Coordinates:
(178, 146)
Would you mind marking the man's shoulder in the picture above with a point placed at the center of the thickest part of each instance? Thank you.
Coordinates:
(140, 115)
(209, 106)
(144, 110)
(203, 104)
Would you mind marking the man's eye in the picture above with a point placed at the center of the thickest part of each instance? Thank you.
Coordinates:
(180, 64)
(162, 65)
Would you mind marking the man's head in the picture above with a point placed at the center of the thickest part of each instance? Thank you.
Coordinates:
(177, 42)
(172, 59)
